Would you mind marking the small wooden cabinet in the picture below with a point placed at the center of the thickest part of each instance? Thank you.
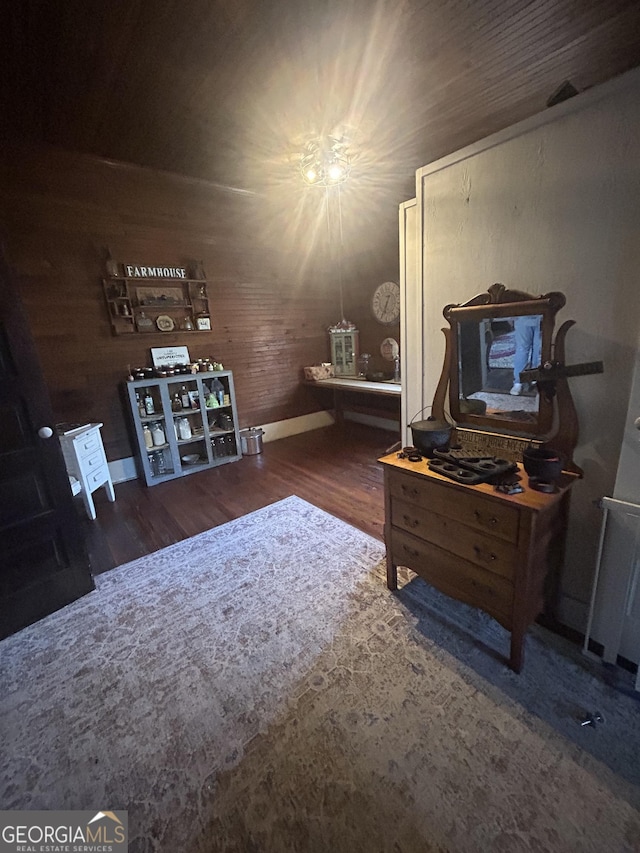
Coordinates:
(202, 433)
(86, 462)
(493, 551)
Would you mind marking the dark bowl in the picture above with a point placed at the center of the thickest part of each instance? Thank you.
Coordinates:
(542, 463)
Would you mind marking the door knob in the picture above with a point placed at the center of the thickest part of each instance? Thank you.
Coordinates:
(45, 432)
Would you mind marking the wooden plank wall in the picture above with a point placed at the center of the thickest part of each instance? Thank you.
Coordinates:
(58, 213)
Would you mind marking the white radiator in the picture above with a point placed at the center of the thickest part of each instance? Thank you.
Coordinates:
(614, 615)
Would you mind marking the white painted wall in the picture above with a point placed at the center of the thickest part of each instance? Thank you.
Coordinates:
(552, 203)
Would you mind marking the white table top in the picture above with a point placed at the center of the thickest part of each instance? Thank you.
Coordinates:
(387, 389)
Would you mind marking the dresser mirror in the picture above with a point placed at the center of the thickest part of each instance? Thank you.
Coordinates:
(491, 339)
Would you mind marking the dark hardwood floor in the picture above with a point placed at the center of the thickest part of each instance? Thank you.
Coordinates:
(335, 469)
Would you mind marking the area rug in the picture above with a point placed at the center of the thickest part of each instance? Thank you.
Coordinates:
(257, 688)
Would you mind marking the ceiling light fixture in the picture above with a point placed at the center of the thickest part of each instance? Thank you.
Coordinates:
(325, 162)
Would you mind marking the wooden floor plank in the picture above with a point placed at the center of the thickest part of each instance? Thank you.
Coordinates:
(334, 468)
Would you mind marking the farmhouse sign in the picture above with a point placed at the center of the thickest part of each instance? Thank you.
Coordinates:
(134, 271)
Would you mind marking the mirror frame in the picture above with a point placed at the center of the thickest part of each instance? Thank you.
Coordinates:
(500, 302)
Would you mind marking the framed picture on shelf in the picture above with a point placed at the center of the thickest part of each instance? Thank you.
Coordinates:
(159, 296)
(203, 324)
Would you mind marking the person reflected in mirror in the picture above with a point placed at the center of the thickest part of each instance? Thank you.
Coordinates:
(528, 341)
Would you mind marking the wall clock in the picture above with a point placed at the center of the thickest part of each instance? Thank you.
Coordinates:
(385, 303)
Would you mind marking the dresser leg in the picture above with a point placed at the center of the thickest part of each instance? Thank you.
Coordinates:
(392, 575)
(517, 651)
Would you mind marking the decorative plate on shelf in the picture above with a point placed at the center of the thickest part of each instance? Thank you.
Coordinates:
(165, 323)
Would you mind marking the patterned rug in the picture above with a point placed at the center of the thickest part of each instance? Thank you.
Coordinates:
(257, 688)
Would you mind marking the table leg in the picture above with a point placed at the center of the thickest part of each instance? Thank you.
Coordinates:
(337, 407)
(88, 504)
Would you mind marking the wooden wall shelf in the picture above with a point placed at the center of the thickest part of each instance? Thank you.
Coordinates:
(156, 306)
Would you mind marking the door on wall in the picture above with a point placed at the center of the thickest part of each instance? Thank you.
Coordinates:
(43, 559)
(627, 486)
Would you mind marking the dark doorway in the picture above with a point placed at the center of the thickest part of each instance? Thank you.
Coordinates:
(43, 559)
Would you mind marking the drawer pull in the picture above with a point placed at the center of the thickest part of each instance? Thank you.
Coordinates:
(410, 551)
(491, 521)
(411, 491)
(410, 522)
(487, 556)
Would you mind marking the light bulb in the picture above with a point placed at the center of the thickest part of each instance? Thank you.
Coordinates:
(335, 172)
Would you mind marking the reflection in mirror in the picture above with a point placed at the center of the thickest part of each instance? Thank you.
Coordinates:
(493, 338)
(492, 352)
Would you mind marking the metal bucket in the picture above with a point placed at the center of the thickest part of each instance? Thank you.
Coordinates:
(251, 441)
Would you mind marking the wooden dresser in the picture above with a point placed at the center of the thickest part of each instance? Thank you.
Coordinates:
(493, 551)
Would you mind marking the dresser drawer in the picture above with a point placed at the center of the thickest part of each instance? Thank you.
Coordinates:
(454, 576)
(87, 444)
(468, 507)
(448, 533)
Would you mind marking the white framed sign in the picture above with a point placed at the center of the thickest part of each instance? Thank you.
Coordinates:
(169, 356)
(137, 271)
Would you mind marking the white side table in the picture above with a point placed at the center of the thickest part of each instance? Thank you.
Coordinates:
(85, 460)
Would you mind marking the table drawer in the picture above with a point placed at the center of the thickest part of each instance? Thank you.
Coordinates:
(468, 507)
(93, 462)
(472, 544)
(455, 577)
(87, 444)
(97, 478)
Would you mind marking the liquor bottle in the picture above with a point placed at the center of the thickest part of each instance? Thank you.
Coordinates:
(218, 389)
(140, 405)
(184, 398)
(148, 403)
(176, 403)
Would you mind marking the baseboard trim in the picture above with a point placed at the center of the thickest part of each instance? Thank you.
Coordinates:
(294, 426)
(373, 420)
(123, 470)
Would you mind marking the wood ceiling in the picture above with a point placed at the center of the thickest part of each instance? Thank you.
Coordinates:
(225, 90)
